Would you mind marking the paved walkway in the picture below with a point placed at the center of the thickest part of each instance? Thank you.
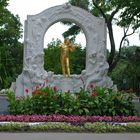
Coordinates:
(68, 136)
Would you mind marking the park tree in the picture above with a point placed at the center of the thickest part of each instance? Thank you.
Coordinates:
(114, 12)
(10, 47)
(127, 72)
(131, 14)
(52, 57)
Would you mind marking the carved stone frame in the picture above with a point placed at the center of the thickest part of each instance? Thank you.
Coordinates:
(33, 69)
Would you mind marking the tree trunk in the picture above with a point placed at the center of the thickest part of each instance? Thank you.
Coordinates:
(112, 43)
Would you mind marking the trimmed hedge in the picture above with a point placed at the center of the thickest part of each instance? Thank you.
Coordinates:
(98, 127)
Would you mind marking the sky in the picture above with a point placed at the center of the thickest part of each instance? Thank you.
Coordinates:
(22, 8)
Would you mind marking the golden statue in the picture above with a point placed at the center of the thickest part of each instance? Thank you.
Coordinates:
(66, 48)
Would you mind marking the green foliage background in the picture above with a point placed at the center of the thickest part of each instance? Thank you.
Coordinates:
(127, 73)
(11, 50)
(52, 58)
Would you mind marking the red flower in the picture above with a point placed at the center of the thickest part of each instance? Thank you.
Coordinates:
(39, 92)
(94, 94)
(37, 86)
(34, 92)
(26, 90)
(45, 94)
(55, 88)
(91, 85)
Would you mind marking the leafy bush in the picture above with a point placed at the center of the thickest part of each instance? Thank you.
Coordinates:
(95, 101)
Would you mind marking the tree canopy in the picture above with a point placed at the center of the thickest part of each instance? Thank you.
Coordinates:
(10, 48)
(127, 73)
(114, 12)
(131, 14)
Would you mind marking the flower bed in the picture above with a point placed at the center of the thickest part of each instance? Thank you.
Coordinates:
(94, 110)
(62, 123)
(69, 119)
(96, 101)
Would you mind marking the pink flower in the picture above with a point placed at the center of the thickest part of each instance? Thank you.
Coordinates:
(45, 94)
(37, 86)
(94, 94)
(34, 92)
(26, 90)
(55, 88)
(71, 118)
(91, 85)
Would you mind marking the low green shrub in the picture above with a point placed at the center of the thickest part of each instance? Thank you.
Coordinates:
(133, 128)
(98, 127)
(11, 127)
(57, 126)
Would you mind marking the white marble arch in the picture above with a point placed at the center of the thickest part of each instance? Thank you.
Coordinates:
(33, 69)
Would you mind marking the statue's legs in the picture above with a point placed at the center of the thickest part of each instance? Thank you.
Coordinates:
(67, 67)
(64, 65)
(63, 69)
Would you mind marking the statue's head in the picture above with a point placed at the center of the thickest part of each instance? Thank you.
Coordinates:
(66, 41)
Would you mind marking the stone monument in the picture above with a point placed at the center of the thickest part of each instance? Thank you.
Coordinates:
(33, 68)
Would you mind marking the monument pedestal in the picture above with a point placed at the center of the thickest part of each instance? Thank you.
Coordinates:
(3, 104)
(66, 84)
